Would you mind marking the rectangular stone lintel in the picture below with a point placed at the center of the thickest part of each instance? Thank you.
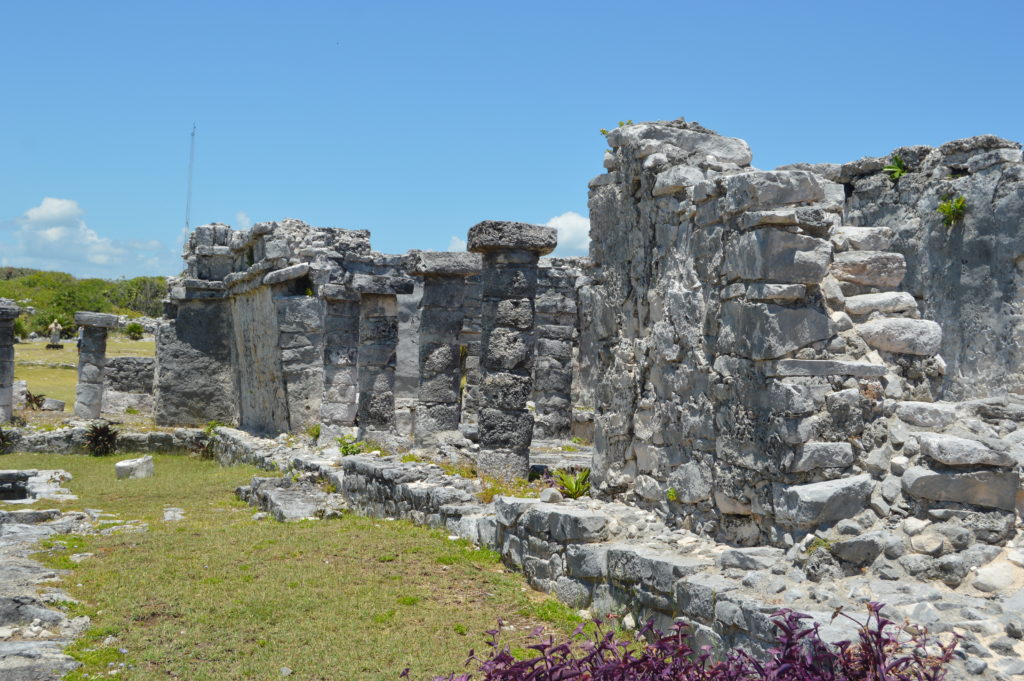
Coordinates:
(286, 274)
(823, 367)
(98, 319)
(444, 264)
(381, 284)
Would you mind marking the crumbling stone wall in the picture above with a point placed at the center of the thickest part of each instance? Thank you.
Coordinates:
(968, 277)
(130, 374)
(749, 349)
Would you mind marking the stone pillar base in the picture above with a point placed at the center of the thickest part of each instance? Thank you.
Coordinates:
(503, 464)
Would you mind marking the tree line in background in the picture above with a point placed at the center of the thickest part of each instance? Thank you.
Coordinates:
(58, 295)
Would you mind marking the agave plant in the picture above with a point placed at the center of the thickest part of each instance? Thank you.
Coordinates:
(101, 438)
(34, 401)
(573, 484)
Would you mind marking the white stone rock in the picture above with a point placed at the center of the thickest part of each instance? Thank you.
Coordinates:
(905, 336)
(891, 301)
(134, 468)
(676, 179)
(926, 414)
(999, 575)
(958, 451)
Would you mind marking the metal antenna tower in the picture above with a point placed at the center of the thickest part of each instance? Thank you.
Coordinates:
(191, 163)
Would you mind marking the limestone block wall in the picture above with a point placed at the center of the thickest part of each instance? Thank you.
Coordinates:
(968, 277)
(130, 374)
(744, 357)
(194, 381)
(262, 400)
(556, 321)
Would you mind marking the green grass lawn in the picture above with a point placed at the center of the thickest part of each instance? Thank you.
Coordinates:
(222, 596)
(59, 381)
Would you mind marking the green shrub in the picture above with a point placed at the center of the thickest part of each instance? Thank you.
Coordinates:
(131, 410)
(134, 330)
(952, 209)
(349, 445)
(34, 401)
(896, 168)
(313, 431)
(672, 495)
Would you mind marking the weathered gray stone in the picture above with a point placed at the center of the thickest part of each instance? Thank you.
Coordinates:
(862, 238)
(812, 455)
(754, 558)
(444, 264)
(134, 468)
(861, 550)
(892, 301)
(907, 336)
(769, 189)
(992, 489)
(777, 256)
(676, 179)
(97, 319)
(494, 235)
(765, 331)
(824, 367)
(821, 502)
(958, 451)
(926, 414)
(870, 268)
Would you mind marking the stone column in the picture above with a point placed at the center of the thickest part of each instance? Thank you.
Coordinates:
(470, 338)
(556, 326)
(509, 285)
(92, 358)
(378, 342)
(341, 348)
(441, 315)
(8, 313)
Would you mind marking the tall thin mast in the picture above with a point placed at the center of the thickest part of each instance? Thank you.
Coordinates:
(191, 163)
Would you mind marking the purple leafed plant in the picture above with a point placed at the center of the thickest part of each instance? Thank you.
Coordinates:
(883, 652)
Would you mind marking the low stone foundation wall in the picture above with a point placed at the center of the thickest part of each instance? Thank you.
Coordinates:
(610, 557)
(71, 440)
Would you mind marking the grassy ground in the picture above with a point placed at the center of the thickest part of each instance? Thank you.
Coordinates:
(57, 378)
(222, 596)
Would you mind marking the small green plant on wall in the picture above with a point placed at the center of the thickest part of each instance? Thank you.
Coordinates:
(896, 168)
(952, 209)
(605, 131)
(672, 494)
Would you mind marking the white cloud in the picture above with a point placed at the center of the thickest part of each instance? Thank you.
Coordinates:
(456, 244)
(243, 220)
(573, 233)
(54, 210)
(53, 236)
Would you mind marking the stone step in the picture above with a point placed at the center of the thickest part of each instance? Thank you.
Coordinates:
(891, 301)
(959, 451)
(824, 367)
(903, 336)
(992, 488)
(926, 414)
(881, 269)
(850, 238)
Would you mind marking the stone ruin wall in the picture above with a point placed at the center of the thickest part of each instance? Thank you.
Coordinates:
(264, 330)
(755, 349)
(761, 364)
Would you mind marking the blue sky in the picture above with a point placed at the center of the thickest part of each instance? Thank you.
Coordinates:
(417, 120)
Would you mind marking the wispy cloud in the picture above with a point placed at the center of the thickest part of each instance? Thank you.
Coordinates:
(242, 220)
(456, 244)
(54, 236)
(573, 233)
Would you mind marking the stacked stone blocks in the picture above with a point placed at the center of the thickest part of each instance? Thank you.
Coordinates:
(511, 251)
(8, 313)
(92, 360)
(442, 311)
(378, 341)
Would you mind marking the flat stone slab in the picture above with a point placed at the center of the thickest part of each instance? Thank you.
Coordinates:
(99, 319)
(382, 285)
(992, 489)
(443, 263)
(891, 301)
(495, 235)
(904, 336)
(870, 268)
(926, 414)
(959, 451)
(824, 367)
(286, 274)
